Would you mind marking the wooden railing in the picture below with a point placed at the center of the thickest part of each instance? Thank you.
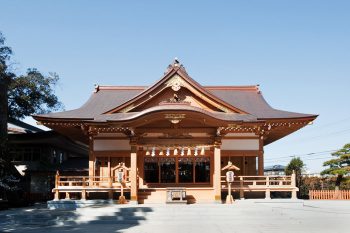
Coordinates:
(89, 181)
(329, 194)
(262, 183)
(86, 184)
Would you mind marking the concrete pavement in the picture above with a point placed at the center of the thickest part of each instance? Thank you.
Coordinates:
(244, 216)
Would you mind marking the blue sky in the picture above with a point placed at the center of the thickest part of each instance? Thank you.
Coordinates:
(298, 51)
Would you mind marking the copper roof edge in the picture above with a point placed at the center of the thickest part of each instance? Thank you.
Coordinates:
(243, 88)
(307, 117)
(107, 87)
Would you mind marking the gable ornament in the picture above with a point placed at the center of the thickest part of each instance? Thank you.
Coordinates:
(175, 83)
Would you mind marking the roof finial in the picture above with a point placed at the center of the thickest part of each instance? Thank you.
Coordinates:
(176, 62)
(97, 87)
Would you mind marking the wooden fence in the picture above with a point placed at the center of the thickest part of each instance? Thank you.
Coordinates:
(329, 194)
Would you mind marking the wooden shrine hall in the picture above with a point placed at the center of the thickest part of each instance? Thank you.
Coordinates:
(174, 135)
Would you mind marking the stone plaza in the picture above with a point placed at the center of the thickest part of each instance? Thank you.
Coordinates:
(246, 216)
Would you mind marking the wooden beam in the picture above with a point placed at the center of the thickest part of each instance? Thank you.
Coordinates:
(176, 130)
(175, 141)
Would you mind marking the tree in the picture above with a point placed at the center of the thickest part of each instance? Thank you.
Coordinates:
(296, 165)
(32, 94)
(340, 166)
(5, 79)
(20, 96)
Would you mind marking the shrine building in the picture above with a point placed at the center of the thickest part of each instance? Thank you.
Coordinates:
(173, 134)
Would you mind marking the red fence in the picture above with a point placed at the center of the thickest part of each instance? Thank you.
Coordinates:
(329, 194)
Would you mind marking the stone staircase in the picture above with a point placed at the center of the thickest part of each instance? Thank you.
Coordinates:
(151, 196)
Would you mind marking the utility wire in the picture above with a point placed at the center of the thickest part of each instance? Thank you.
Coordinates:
(330, 124)
(307, 159)
(301, 155)
(307, 139)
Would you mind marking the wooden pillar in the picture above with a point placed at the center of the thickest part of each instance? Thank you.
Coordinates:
(133, 173)
(241, 190)
(57, 193)
(91, 156)
(261, 157)
(260, 164)
(243, 173)
(83, 191)
(176, 170)
(109, 167)
(140, 170)
(110, 192)
(217, 171)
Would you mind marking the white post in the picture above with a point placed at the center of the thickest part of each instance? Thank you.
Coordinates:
(267, 191)
(241, 191)
(293, 184)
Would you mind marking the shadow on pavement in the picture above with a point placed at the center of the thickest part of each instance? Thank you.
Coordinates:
(106, 219)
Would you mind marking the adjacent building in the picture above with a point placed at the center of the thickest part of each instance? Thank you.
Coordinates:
(38, 154)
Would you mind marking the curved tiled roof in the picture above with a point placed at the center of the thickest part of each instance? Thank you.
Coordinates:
(248, 100)
(254, 103)
(98, 103)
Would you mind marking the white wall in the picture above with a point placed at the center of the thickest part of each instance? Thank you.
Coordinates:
(240, 144)
(108, 145)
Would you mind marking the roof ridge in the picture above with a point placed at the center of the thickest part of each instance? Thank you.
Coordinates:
(112, 87)
(241, 88)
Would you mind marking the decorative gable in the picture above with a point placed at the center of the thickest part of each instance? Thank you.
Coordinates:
(176, 88)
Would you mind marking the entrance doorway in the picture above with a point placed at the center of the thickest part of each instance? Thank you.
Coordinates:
(177, 170)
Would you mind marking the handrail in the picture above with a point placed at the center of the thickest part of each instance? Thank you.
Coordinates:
(244, 182)
(89, 181)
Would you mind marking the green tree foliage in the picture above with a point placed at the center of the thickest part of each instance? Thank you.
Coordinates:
(5, 79)
(297, 166)
(32, 94)
(340, 165)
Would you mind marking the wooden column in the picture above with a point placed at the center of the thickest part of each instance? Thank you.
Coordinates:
(243, 173)
(176, 170)
(91, 156)
(260, 164)
(57, 193)
(133, 173)
(109, 167)
(261, 157)
(83, 191)
(217, 171)
(140, 170)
